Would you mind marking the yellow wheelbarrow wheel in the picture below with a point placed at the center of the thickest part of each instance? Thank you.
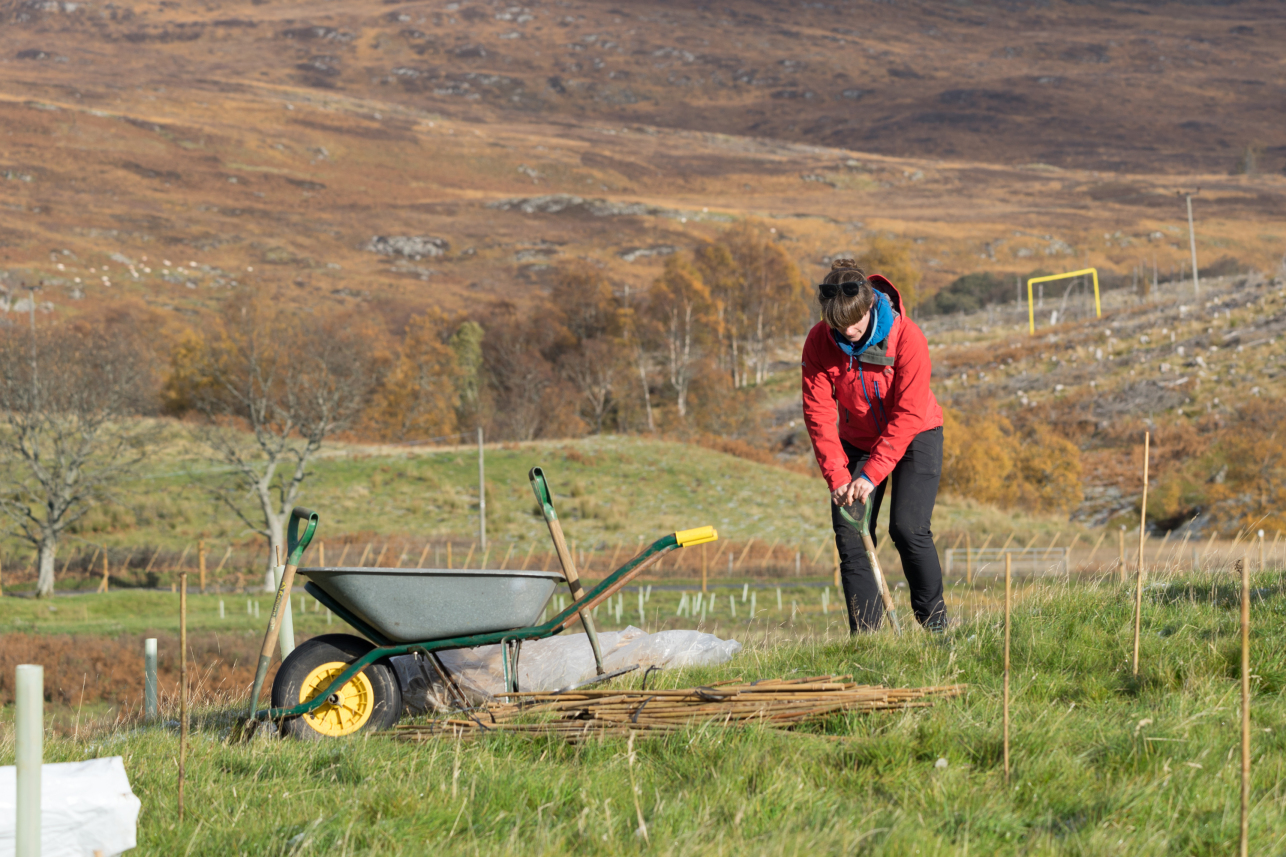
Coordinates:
(371, 700)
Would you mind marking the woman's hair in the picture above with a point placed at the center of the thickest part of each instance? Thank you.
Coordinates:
(842, 312)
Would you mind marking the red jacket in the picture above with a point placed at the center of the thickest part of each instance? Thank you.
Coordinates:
(836, 405)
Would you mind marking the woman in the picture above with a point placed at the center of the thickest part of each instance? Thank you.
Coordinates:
(871, 416)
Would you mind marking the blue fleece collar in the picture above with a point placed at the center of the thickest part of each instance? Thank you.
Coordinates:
(882, 316)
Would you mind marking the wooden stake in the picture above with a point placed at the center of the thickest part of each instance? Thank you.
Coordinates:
(1261, 551)
(839, 584)
(1008, 609)
(772, 547)
(321, 554)
(1090, 561)
(820, 548)
(1143, 528)
(505, 562)
(1027, 547)
(200, 562)
(483, 562)
(343, 554)
(183, 683)
(611, 563)
(380, 557)
(968, 560)
(424, 553)
(102, 587)
(361, 563)
(469, 555)
(744, 551)
(1008, 541)
(527, 558)
(178, 564)
(704, 570)
(1156, 557)
(1245, 704)
(401, 558)
(1121, 539)
(449, 554)
(1052, 542)
(150, 562)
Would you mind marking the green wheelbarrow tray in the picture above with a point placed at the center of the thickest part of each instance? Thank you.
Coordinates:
(386, 647)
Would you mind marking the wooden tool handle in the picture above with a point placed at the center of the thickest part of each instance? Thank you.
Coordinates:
(885, 595)
(566, 560)
(274, 618)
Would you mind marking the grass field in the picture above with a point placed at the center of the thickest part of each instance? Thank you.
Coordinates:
(611, 492)
(1103, 762)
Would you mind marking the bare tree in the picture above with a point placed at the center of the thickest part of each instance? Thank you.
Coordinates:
(271, 387)
(69, 436)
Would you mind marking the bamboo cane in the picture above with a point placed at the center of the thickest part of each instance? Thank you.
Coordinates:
(1245, 705)
(469, 555)
(343, 554)
(505, 562)
(1143, 526)
(1008, 541)
(424, 553)
(380, 557)
(361, 563)
(1008, 608)
(183, 683)
(746, 550)
(527, 558)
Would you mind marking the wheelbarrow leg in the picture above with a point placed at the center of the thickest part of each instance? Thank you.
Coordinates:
(545, 498)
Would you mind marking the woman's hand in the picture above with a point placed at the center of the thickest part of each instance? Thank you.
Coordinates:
(859, 490)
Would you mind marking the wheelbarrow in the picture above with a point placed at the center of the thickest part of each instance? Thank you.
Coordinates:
(341, 684)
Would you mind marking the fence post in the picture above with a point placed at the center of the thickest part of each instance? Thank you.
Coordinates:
(200, 562)
(29, 734)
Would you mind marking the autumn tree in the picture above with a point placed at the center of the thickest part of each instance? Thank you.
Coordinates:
(69, 396)
(421, 395)
(270, 386)
(686, 318)
(892, 259)
(985, 458)
(586, 321)
(529, 398)
(760, 296)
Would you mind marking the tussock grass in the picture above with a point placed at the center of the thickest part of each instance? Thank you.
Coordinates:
(1103, 762)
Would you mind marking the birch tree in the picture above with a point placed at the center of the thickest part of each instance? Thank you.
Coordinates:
(686, 316)
(270, 387)
(69, 433)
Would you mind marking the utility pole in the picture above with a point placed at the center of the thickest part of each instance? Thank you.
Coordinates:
(1192, 241)
(482, 496)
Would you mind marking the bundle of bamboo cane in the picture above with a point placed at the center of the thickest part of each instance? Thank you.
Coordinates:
(580, 714)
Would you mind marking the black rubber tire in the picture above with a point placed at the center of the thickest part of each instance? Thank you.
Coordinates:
(329, 648)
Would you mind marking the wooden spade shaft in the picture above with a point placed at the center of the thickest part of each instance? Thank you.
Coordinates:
(270, 636)
(573, 584)
(879, 581)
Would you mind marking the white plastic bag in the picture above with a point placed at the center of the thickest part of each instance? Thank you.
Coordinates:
(556, 662)
(85, 807)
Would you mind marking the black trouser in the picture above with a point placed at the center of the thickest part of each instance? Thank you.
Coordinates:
(915, 489)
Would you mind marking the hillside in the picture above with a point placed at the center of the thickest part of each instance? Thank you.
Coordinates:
(160, 155)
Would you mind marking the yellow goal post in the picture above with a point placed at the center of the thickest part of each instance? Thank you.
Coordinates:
(1031, 306)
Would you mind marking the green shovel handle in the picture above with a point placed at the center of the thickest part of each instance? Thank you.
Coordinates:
(543, 496)
(864, 527)
(296, 544)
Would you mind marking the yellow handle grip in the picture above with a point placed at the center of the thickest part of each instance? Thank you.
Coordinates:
(698, 536)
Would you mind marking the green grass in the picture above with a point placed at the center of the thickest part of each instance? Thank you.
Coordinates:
(1103, 762)
(609, 491)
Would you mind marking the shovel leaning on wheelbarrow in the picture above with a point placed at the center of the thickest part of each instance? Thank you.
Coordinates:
(865, 529)
(565, 558)
(296, 546)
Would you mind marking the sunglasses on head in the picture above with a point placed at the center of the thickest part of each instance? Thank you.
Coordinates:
(830, 290)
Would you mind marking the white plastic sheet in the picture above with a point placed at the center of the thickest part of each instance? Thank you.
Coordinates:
(556, 662)
(85, 807)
